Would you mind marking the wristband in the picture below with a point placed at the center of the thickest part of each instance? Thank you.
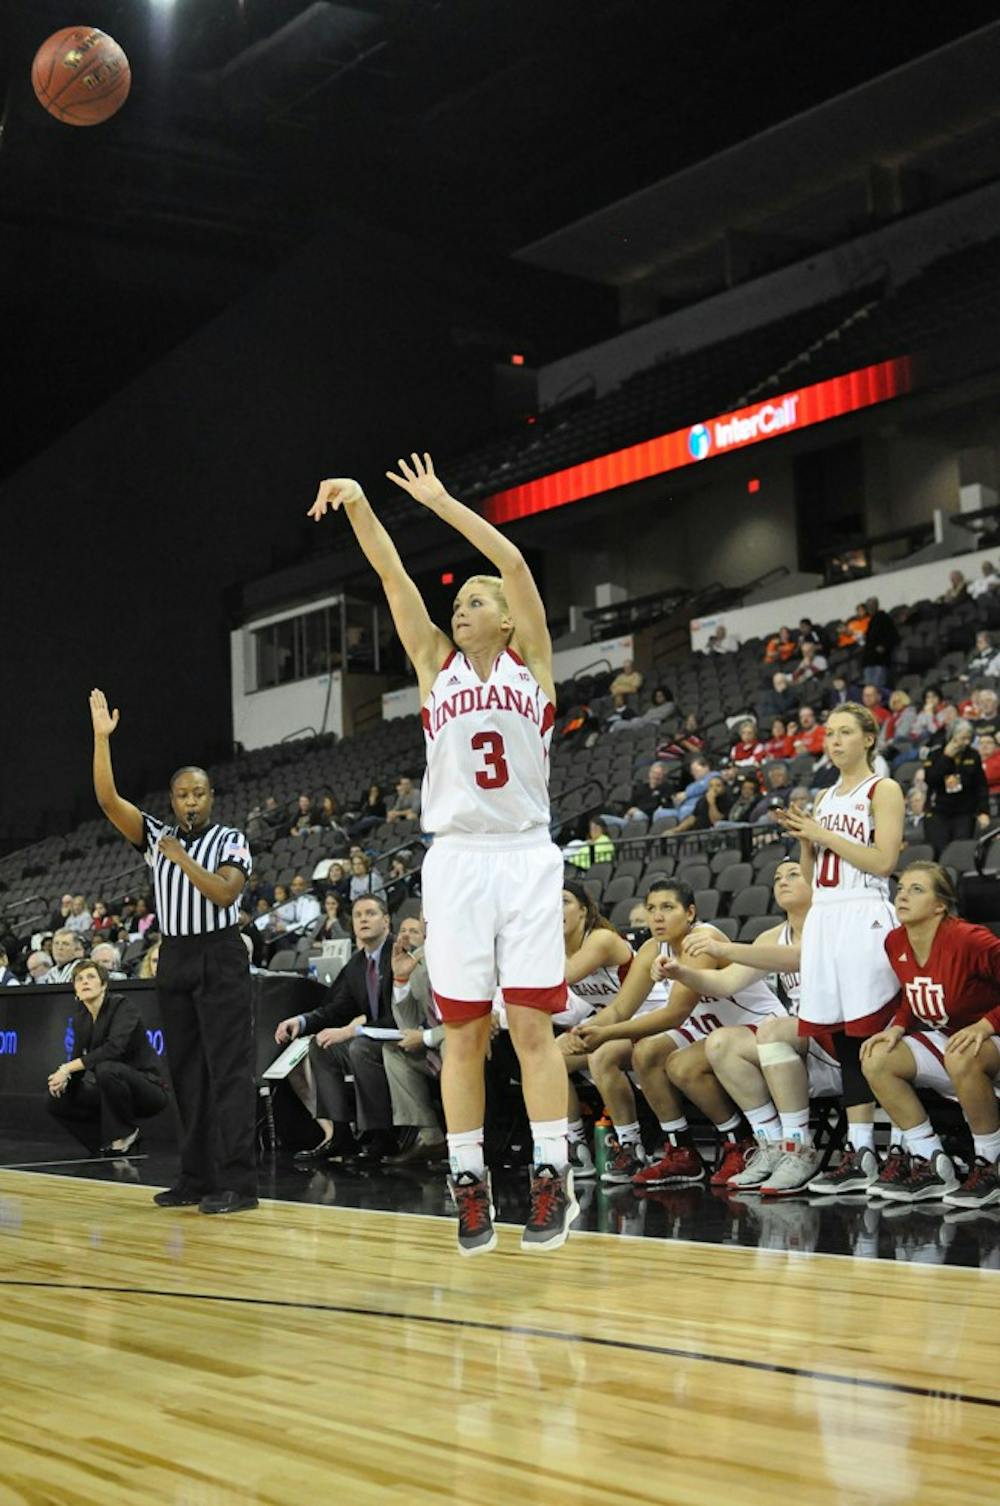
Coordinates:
(401, 982)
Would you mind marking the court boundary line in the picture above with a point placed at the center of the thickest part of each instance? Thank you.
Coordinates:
(520, 1330)
(440, 1218)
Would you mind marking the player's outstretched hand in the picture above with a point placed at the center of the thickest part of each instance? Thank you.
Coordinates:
(340, 491)
(703, 944)
(664, 967)
(104, 721)
(419, 480)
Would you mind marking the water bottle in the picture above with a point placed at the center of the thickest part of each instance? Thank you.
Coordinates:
(312, 971)
(602, 1130)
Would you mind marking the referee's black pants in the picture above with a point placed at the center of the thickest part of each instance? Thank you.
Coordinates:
(203, 988)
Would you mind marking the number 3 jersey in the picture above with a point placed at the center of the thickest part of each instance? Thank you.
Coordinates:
(850, 815)
(957, 985)
(487, 749)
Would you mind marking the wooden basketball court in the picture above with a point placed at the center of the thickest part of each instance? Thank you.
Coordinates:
(305, 1354)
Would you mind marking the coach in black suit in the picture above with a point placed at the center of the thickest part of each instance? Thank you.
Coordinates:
(361, 995)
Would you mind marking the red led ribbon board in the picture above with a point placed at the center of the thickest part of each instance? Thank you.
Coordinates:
(702, 441)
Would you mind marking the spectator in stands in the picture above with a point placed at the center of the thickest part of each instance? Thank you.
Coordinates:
(143, 919)
(916, 811)
(688, 740)
(811, 735)
(339, 880)
(299, 910)
(598, 848)
(984, 659)
(956, 590)
(628, 680)
(264, 821)
(987, 712)
(109, 958)
(149, 962)
(748, 749)
(65, 910)
(782, 647)
(412, 1063)
(649, 794)
(372, 813)
(747, 796)
(810, 633)
(811, 664)
(956, 785)
(721, 642)
(871, 697)
(881, 638)
(67, 950)
(39, 965)
(711, 808)
(115, 1079)
(777, 793)
(779, 744)
(365, 878)
(621, 713)
(102, 921)
(79, 918)
(406, 806)
(932, 716)
(685, 801)
(328, 820)
(779, 700)
(857, 626)
(399, 879)
(989, 752)
(988, 581)
(8, 979)
(328, 927)
(305, 817)
(660, 707)
(840, 691)
(264, 919)
(896, 739)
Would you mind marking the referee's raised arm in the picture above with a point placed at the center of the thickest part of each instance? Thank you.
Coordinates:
(121, 813)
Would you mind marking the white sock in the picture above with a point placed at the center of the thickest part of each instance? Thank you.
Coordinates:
(988, 1146)
(728, 1126)
(861, 1136)
(574, 1130)
(550, 1147)
(895, 1134)
(795, 1127)
(765, 1122)
(465, 1152)
(628, 1134)
(672, 1128)
(922, 1141)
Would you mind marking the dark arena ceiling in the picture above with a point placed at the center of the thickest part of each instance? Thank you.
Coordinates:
(480, 126)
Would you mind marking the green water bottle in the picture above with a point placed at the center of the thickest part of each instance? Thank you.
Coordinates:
(602, 1130)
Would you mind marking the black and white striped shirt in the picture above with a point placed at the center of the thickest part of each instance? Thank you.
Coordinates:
(181, 909)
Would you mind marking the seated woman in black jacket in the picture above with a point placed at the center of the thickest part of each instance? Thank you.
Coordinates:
(114, 1079)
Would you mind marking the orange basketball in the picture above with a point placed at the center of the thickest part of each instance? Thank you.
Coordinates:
(81, 75)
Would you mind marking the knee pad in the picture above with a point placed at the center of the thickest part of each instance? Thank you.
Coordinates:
(777, 1054)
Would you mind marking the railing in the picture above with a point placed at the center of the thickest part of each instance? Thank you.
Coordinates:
(595, 664)
(300, 732)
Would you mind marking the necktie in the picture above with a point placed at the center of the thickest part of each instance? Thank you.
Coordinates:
(373, 988)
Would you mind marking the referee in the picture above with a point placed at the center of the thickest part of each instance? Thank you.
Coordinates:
(203, 979)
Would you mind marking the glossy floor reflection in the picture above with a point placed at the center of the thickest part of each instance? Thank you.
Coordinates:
(925, 1233)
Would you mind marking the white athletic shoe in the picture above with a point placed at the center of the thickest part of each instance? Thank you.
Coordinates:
(581, 1161)
(794, 1171)
(760, 1163)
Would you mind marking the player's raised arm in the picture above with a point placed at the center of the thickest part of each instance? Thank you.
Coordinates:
(418, 478)
(426, 645)
(121, 813)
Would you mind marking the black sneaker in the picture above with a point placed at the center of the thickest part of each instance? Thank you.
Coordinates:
(928, 1181)
(854, 1172)
(895, 1169)
(553, 1209)
(473, 1198)
(181, 1196)
(623, 1161)
(980, 1188)
(227, 1202)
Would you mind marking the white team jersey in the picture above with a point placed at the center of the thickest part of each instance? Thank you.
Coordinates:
(487, 749)
(850, 815)
(588, 995)
(790, 982)
(747, 1007)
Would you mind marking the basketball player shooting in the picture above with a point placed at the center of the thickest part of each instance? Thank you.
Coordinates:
(492, 880)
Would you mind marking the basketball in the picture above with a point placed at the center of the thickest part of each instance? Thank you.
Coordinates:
(81, 76)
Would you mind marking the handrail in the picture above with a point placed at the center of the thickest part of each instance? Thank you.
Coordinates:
(596, 664)
(298, 733)
(18, 904)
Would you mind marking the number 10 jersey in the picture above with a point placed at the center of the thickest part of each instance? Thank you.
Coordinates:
(487, 749)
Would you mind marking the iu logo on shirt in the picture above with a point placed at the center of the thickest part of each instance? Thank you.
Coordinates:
(926, 999)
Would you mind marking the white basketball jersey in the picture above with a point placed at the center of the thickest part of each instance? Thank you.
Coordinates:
(747, 1007)
(487, 748)
(850, 815)
(602, 986)
(790, 982)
